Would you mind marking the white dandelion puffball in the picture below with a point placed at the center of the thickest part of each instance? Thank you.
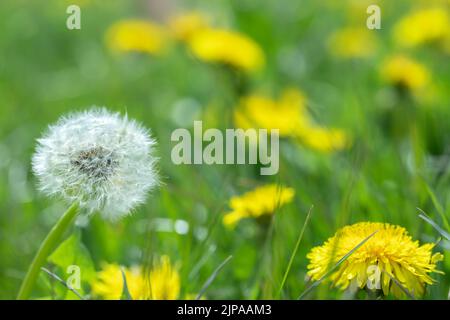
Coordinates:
(99, 159)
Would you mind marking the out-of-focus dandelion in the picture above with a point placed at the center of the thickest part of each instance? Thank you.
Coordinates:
(391, 250)
(161, 283)
(96, 160)
(136, 36)
(183, 26)
(109, 283)
(164, 281)
(431, 25)
(227, 47)
(290, 116)
(262, 201)
(324, 139)
(403, 72)
(353, 43)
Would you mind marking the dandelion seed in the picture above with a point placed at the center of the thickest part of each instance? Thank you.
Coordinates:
(391, 250)
(98, 159)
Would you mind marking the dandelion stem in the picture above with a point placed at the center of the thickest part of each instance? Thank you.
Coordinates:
(44, 251)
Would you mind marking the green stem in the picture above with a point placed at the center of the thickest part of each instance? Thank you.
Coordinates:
(44, 251)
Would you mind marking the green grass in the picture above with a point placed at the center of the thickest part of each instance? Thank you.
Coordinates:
(47, 71)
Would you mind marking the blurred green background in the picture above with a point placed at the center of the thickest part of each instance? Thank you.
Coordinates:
(47, 70)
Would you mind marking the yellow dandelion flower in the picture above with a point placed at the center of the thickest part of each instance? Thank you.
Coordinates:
(227, 47)
(161, 283)
(185, 25)
(423, 26)
(164, 281)
(259, 202)
(136, 36)
(288, 114)
(324, 139)
(391, 252)
(402, 71)
(353, 43)
(109, 282)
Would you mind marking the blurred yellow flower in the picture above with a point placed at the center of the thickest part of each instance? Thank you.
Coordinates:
(162, 283)
(353, 43)
(391, 252)
(185, 25)
(109, 282)
(423, 26)
(402, 71)
(259, 202)
(288, 114)
(137, 36)
(227, 47)
(324, 139)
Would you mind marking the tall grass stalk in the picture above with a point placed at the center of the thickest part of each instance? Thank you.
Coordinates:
(46, 248)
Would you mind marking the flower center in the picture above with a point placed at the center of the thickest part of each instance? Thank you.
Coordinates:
(96, 162)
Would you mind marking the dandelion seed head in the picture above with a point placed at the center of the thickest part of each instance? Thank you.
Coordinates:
(99, 159)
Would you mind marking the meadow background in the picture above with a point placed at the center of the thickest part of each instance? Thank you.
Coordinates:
(398, 159)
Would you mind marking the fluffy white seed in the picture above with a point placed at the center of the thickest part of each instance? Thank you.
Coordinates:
(99, 159)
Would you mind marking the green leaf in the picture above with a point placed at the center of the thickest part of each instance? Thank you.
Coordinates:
(73, 253)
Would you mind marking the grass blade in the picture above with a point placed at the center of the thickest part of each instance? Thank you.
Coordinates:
(427, 219)
(438, 207)
(212, 277)
(125, 292)
(294, 253)
(345, 257)
(64, 283)
(405, 291)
